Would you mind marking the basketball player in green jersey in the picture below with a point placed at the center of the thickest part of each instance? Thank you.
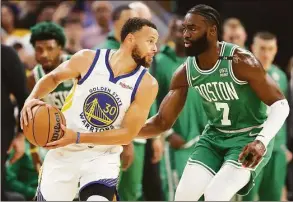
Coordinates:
(237, 141)
(48, 40)
(271, 180)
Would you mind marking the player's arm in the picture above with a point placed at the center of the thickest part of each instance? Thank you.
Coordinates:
(133, 120)
(76, 67)
(170, 107)
(247, 68)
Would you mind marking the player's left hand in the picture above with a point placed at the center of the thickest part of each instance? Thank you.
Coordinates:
(252, 154)
(68, 138)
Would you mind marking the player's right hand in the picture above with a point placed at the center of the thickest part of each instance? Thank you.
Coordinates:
(26, 112)
(176, 141)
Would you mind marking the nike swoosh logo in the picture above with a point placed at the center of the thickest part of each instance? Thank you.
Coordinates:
(253, 134)
(194, 78)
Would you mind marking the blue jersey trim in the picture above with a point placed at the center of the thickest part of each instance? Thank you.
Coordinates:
(137, 84)
(115, 79)
(90, 69)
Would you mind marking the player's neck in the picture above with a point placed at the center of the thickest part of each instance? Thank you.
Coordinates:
(54, 66)
(209, 58)
(122, 62)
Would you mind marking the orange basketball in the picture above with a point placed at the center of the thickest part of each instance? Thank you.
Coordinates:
(45, 126)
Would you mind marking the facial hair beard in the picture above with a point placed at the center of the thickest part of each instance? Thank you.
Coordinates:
(137, 57)
(197, 46)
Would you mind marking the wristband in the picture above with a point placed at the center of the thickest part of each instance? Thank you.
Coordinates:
(77, 137)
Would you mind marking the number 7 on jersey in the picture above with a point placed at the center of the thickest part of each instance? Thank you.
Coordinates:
(221, 105)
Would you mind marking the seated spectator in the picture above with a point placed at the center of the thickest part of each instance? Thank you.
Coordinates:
(98, 32)
(22, 176)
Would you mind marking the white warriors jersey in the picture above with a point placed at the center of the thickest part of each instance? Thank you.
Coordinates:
(99, 101)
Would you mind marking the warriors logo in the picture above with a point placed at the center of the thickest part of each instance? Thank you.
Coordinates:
(100, 109)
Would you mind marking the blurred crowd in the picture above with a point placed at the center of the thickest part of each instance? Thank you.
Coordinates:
(37, 36)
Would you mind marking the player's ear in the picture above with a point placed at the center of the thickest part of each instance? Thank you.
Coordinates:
(213, 30)
(130, 38)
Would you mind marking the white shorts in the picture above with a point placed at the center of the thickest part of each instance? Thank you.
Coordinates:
(65, 171)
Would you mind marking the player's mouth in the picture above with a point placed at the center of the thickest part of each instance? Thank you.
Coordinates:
(187, 44)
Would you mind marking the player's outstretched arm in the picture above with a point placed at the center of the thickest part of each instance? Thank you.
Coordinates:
(170, 107)
(76, 67)
(247, 68)
(132, 123)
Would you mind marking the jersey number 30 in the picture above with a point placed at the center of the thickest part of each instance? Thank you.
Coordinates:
(225, 107)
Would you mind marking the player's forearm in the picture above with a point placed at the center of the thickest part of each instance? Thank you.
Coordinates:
(42, 88)
(276, 118)
(112, 137)
(154, 126)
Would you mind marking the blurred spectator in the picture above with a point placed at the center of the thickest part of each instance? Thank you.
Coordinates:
(234, 32)
(271, 181)
(119, 16)
(22, 176)
(97, 33)
(46, 11)
(13, 81)
(28, 15)
(18, 38)
(73, 32)
(142, 9)
(185, 132)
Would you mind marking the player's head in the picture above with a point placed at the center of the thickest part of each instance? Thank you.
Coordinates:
(234, 32)
(264, 47)
(201, 29)
(177, 31)
(48, 40)
(140, 36)
(120, 15)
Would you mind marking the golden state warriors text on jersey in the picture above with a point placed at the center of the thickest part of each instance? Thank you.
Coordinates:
(100, 109)
(99, 101)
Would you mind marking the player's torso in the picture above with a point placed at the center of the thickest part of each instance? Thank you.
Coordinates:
(57, 96)
(230, 104)
(98, 101)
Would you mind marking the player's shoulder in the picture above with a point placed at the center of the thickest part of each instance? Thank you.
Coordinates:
(245, 65)
(244, 58)
(149, 80)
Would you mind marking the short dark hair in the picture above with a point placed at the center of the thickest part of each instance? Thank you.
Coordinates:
(117, 11)
(210, 14)
(265, 35)
(133, 25)
(47, 31)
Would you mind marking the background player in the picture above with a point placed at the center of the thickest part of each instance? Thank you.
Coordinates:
(270, 182)
(234, 86)
(121, 91)
(48, 40)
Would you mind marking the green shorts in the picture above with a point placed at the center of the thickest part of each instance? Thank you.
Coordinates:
(216, 148)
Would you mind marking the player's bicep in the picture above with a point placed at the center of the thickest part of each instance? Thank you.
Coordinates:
(139, 109)
(76, 67)
(266, 89)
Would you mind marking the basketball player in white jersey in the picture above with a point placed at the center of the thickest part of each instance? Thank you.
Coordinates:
(106, 108)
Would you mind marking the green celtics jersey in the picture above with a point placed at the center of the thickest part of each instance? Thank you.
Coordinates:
(230, 104)
(57, 96)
